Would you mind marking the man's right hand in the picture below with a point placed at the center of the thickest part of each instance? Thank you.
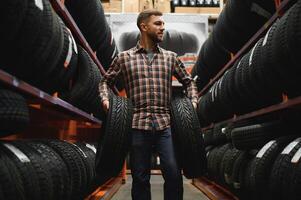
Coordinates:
(106, 105)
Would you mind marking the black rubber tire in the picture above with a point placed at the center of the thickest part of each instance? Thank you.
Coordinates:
(90, 18)
(218, 164)
(84, 92)
(255, 136)
(26, 169)
(58, 169)
(262, 164)
(210, 156)
(90, 152)
(108, 51)
(201, 70)
(41, 169)
(219, 136)
(114, 142)
(11, 180)
(74, 164)
(292, 190)
(281, 171)
(214, 56)
(187, 139)
(65, 68)
(289, 43)
(11, 17)
(14, 114)
(208, 137)
(88, 168)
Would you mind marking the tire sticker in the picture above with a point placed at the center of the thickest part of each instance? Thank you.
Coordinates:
(289, 147)
(39, 4)
(69, 54)
(79, 149)
(252, 52)
(266, 37)
(73, 41)
(265, 148)
(92, 147)
(22, 157)
(297, 156)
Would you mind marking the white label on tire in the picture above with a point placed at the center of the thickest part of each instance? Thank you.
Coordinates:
(238, 66)
(265, 148)
(39, 4)
(251, 56)
(79, 150)
(289, 147)
(22, 157)
(297, 156)
(73, 41)
(69, 54)
(92, 147)
(266, 37)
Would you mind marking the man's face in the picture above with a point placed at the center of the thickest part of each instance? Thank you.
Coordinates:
(155, 28)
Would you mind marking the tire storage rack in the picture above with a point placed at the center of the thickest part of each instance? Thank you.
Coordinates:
(253, 152)
(71, 131)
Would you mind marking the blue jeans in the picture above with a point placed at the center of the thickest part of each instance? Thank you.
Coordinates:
(140, 160)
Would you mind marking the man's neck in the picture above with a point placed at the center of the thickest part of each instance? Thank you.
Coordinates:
(147, 44)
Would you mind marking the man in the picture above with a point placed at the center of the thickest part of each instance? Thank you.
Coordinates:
(147, 72)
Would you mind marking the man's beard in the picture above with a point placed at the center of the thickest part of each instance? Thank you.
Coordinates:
(154, 37)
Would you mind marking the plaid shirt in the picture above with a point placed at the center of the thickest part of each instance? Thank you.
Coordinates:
(148, 84)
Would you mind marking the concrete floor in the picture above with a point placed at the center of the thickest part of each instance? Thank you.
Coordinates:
(190, 192)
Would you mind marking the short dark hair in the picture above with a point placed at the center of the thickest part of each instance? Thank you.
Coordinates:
(144, 15)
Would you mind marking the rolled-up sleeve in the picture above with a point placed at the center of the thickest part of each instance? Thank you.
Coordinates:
(184, 77)
(108, 79)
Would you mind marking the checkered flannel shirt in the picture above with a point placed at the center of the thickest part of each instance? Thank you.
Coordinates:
(148, 84)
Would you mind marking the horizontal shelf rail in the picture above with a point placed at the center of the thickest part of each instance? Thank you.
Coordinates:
(213, 190)
(38, 96)
(286, 104)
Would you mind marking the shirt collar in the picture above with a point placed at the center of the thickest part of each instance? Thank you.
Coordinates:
(139, 48)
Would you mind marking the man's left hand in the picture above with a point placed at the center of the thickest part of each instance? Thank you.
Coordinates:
(195, 105)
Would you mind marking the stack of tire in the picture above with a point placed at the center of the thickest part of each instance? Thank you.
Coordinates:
(90, 18)
(255, 161)
(238, 21)
(46, 169)
(36, 45)
(173, 40)
(261, 76)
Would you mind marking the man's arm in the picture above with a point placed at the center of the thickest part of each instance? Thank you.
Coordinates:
(108, 80)
(184, 77)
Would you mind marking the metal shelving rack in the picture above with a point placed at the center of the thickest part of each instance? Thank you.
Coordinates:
(287, 103)
(47, 111)
(211, 189)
